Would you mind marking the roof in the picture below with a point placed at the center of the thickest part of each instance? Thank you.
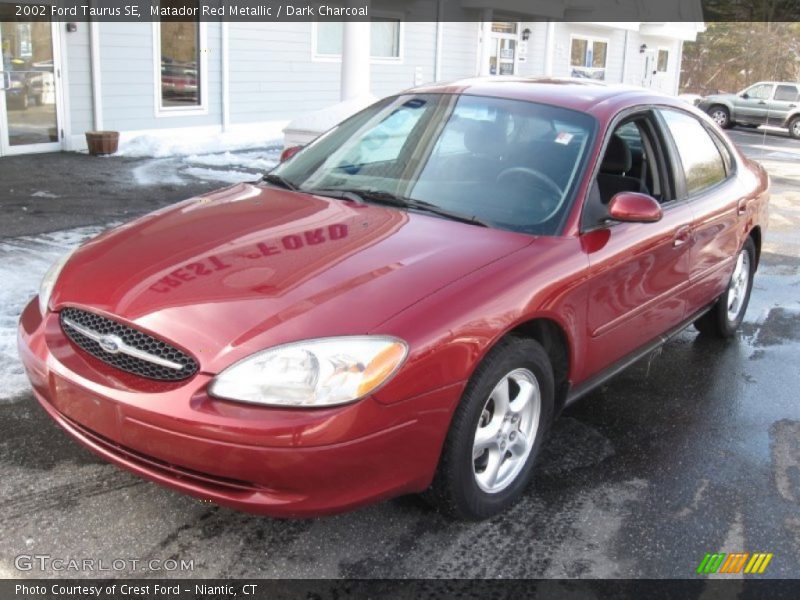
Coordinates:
(585, 95)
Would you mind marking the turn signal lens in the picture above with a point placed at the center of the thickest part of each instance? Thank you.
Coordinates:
(381, 367)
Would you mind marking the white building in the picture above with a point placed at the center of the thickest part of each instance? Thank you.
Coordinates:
(170, 79)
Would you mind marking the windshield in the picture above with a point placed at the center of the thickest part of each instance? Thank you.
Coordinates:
(510, 164)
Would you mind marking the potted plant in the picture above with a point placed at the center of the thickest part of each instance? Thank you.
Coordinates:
(102, 142)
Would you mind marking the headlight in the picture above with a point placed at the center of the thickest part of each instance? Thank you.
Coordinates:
(323, 372)
(49, 282)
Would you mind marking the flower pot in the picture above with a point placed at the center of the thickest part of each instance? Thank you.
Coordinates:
(102, 142)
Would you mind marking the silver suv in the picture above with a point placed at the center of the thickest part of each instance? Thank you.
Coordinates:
(764, 103)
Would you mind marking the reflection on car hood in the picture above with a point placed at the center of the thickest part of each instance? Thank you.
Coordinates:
(248, 267)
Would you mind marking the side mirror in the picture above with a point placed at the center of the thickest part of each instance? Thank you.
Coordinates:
(633, 207)
(745, 95)
(290, 152)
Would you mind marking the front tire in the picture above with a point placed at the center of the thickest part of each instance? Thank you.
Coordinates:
(496, 433)
(727, 314)
(721, 116)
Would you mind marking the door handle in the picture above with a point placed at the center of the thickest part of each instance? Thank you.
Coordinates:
(792, 105)
(762, 102)
(741, 207)
(683, 235)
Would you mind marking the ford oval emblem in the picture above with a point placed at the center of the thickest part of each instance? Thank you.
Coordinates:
(110, 343)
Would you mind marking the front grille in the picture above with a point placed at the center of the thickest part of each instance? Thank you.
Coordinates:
(133, 339)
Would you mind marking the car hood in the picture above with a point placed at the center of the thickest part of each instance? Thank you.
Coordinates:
(232, 272)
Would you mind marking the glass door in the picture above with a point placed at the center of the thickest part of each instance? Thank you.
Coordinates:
(503, 48)
(29, 120)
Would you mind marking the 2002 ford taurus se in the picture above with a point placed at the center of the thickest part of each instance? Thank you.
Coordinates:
(405, 304)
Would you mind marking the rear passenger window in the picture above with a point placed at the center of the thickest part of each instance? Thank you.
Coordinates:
(702, 163)
(786, 93)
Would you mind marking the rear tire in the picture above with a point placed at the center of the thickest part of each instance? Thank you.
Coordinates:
(721, 116)
(728, 311)
(496, 433)
(794, 128)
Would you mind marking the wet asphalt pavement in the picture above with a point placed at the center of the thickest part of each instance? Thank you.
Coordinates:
(694, 449)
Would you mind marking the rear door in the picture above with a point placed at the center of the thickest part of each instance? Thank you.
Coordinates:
(708, 185)
(783, 103)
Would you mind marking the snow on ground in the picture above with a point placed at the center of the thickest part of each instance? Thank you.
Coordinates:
(224, 167)
(23, 263)
(262, 160)
(224, 176)
(183, 144)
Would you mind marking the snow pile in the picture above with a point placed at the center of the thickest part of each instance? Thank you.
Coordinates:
(184, 143)
(23, 263)
(226, 176)
(322, 120)
(261, 161)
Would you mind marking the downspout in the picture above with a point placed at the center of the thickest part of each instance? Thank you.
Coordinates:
(679, 68)
(625, 58)
(549, 50)
(94, 66)
(226, 77)
(437, 65)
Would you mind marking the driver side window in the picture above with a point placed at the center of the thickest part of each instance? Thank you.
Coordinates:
(632, 162)
(760, 91)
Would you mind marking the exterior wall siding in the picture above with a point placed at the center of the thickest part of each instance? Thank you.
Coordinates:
(460, 49)
(273, 75)
(77, 65)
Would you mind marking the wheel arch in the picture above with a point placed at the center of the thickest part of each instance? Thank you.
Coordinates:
(755, 234)
(555, 341)
(792, 116)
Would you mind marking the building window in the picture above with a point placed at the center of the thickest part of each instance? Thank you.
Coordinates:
(385, 39)
(663, 61)
(181, 69)
(588, 57)
(509, 27)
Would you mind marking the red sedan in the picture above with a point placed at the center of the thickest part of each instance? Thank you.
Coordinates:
(404, 305)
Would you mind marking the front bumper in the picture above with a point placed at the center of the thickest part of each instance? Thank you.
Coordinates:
(278, 462)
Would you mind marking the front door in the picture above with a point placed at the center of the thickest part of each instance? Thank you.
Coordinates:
(638, 272)
(29, 116)
(503, 43)
(752, 105)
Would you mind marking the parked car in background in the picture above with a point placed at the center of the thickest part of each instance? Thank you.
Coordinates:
(26, 85)
(775, 103)
(405, 304)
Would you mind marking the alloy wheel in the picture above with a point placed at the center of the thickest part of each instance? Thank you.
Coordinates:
(737, 289)
(506, 431)
(720, 117)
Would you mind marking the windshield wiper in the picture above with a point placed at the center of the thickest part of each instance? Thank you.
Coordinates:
(280, 181)
(388, 198)
(339, 193)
